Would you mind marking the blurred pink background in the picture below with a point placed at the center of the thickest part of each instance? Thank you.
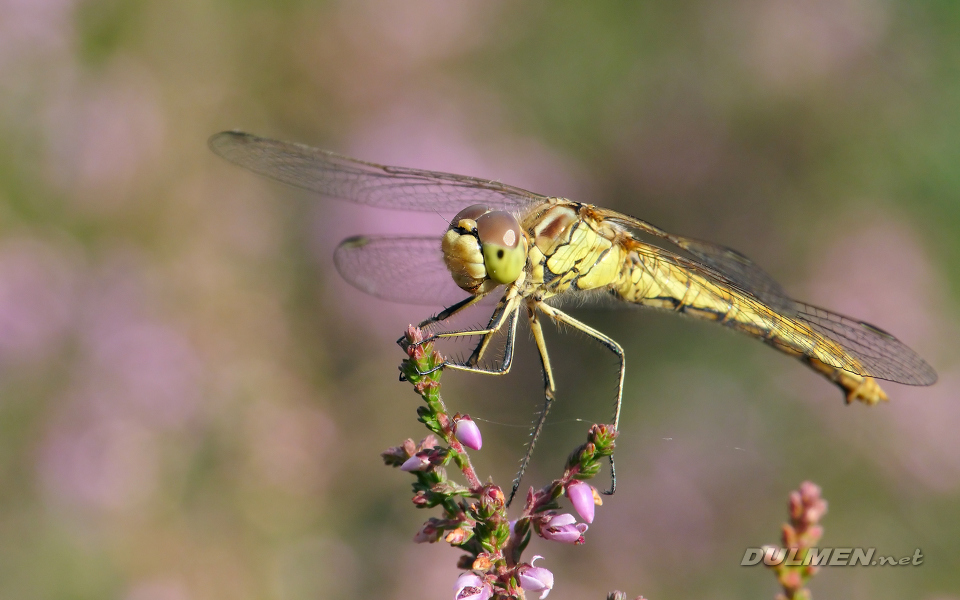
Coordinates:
(192, 402)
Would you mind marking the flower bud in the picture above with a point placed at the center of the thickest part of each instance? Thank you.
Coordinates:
(428, 533)
(581, 495)
(482, 563)
(415, 463)
(457, 536)
(467, 433)
(791, 579)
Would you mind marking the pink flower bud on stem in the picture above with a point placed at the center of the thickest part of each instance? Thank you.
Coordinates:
(415, 463)
(467, 433)
(581, 495)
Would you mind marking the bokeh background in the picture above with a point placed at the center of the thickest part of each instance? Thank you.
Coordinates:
(192, 403)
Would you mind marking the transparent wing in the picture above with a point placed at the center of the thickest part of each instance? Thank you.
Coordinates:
(861, 348)
(881, 355)
(734, 267)
(363, 182)
(401, 269)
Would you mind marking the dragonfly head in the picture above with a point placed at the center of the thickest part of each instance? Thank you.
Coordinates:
(484, 248)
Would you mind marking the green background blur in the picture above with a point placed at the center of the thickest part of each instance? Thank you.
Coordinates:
(192, 402)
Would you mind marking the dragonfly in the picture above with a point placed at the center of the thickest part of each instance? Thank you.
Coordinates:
(531, 251)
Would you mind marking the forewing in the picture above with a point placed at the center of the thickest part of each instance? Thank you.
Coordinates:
(401, 269)
(363, 182)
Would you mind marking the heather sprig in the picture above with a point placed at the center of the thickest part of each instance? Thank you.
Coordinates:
(474, 516)
(802, 533)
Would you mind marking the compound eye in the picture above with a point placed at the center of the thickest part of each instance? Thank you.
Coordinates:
(500, 240)
(471, 213)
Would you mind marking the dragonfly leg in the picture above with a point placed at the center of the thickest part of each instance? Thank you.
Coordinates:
(549, 391)
(472, 364)
(444, 315)
(507, 304)
(505, 364)
(611, 345)
(441, 316)
(506, 312)
(549, 386)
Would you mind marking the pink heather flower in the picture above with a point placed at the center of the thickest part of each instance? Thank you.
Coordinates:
(415, 463)
(471, 587)
(428, 533)
(536, 579)
(563, 528)
(581, 495)
(468, 433)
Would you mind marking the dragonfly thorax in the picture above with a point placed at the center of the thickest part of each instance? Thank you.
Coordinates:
(484, 248)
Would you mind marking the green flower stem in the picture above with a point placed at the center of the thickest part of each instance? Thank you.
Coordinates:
(422, 358)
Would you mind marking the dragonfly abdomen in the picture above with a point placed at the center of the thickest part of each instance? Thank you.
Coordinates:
(652, 282)
(649, 281)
